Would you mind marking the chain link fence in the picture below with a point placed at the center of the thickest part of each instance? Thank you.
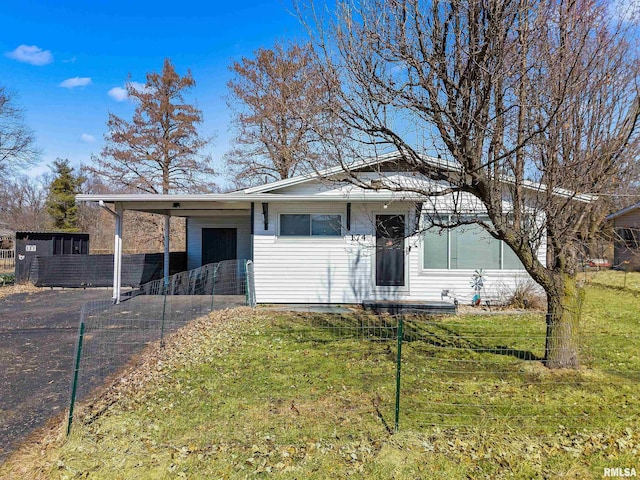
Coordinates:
(111, 334)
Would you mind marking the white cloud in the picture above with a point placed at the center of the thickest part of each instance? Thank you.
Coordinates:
(119, 94)
(76, 82)
(86, 138)
(31, 54)
(139, 87)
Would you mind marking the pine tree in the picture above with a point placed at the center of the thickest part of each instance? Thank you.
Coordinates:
(61, 202)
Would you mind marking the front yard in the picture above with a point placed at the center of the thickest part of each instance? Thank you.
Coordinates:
(252, 394)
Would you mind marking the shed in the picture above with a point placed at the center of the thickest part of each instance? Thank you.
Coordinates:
(46, 244)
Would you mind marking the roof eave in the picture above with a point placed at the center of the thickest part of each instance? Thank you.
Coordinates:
(624, 211)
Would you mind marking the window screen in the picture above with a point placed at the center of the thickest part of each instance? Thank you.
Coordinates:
(304, 225)
(295, 225)
(472, 247)
(436, 248)
(325, 225)
(510, 261)
(466, 247)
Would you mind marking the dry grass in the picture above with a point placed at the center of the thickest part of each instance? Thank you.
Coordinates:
(14, 289)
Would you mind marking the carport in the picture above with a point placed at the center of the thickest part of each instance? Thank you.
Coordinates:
(223, 222)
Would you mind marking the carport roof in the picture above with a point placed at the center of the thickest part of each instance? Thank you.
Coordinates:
(234, 201)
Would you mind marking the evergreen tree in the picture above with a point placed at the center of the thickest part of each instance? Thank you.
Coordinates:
(61, 202)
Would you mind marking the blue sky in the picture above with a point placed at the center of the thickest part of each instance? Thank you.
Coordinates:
(63, 57)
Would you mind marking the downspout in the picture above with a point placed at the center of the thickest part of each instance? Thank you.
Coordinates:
(117, 249)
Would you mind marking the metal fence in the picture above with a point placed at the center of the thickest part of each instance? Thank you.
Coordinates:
(111, 335)
(485, 371)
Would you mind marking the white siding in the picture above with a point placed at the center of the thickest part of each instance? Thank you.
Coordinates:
(310, 269)
(194, 235)
(342, 269)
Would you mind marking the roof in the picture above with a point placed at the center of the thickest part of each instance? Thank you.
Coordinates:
(360, 196)
(337, 170)
(624, 211)
(263, 193)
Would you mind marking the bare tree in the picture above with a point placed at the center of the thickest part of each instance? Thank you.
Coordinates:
(280, 109)
(17, 147)
(531, 105)
(160, 150)
(23, 204)
(145, 231)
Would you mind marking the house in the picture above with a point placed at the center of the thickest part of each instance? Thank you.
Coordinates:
(7, 247)
(626, 225)
(7, 237)
(320, 239)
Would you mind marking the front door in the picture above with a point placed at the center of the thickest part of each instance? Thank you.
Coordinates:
(219, 244)
(390, 233)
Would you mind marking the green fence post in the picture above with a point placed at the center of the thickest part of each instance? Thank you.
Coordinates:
(398, 365)
(213, 283)
(76, 370)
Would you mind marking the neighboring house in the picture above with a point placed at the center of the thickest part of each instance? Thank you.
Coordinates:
(7, 246)
(7, 237)
(626, 225)
(319, 241)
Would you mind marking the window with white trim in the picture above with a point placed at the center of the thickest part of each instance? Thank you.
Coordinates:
(310, 224)
(466, 247)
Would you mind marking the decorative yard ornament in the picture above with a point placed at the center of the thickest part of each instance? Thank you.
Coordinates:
(477, 283)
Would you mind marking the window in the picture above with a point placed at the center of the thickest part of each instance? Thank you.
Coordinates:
(466, 247)
(305, 225)
(629, 238)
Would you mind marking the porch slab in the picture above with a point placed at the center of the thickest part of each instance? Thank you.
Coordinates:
(399, 306)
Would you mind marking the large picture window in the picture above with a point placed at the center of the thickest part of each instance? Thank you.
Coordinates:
(466, 247)
(314, 224)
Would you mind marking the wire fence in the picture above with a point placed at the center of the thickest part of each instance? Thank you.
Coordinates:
(489, 371)
(110, 334)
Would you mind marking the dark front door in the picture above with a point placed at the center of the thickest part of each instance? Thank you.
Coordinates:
(219, 244)
(389, 250)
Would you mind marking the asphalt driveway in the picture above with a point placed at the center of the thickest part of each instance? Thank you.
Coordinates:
(38, 332)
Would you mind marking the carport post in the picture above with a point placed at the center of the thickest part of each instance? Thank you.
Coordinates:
(117, 255)
(167, 230)
(117, 249)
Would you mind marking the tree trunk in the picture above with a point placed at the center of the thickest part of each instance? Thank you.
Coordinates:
(564, 308)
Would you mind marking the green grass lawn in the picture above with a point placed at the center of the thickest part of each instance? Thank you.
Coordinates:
(257, 394)
(615, 279)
